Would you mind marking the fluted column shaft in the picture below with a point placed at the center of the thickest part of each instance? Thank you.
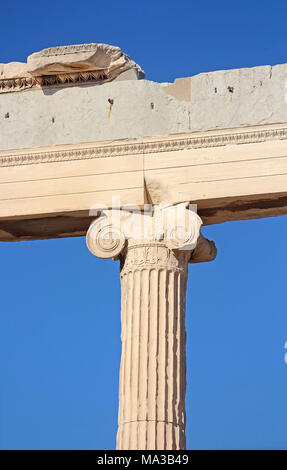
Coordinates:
(153, 363)
(154, 248)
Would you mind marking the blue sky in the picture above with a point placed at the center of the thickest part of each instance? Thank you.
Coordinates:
(60, 306)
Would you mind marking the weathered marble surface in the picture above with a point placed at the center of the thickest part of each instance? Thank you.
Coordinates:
(234, 98)
(242, 97)
(125, 109)
(115, 110)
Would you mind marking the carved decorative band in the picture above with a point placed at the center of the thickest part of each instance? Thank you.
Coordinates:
(67, 78)
(64, 50)
(154, 255)
(140, 148)
(72, 78)
(16, 84)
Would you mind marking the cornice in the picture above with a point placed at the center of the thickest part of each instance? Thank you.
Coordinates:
(89, 77)
(161, 144)
(80, 64)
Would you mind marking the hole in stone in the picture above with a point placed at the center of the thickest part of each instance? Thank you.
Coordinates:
(111, 101)
(152, 105)
(7, 115)
(230, 89)
(53, 119)
(215, 90)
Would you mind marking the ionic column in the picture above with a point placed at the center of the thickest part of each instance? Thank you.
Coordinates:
(154, 270)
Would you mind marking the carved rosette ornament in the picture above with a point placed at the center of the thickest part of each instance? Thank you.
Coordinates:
(154, 250)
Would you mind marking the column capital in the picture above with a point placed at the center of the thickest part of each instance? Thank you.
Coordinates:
(177, 226)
